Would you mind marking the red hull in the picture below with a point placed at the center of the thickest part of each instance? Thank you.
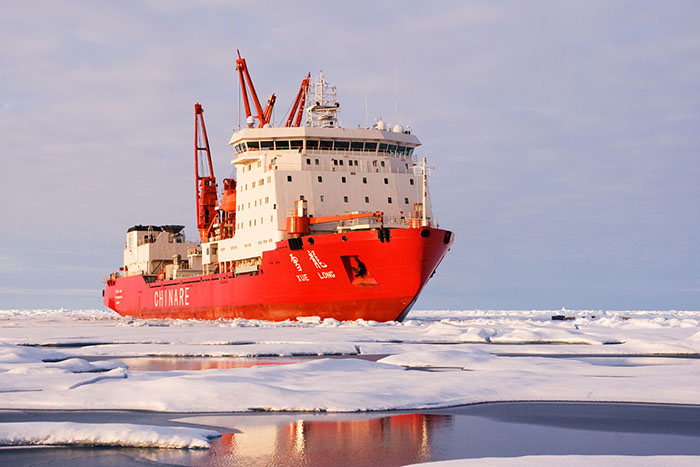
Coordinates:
(316, 280)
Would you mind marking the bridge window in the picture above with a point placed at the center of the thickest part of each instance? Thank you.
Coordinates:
(282, 145)
(326, 144)
(311, 144)
(382, 147)
(267, 145)
(342, 145)
(296, 144)
(371, 147)
(401, 150)
(392, 148)
(253, 145)
(356, 145)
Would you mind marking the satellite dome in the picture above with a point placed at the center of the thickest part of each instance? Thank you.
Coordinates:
(380, 125)
(397, 128)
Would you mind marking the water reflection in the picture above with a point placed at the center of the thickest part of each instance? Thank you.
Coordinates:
(198, 363)
(364, 439)
(385, 441)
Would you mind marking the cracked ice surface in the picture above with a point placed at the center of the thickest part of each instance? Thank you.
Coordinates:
(433, 359)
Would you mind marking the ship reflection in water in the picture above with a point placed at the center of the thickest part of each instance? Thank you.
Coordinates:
(199, 363)
(393, 440)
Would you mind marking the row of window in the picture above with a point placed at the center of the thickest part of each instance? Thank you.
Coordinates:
(351, 162)
(324, 145)
(252, 223)
(260, 182)
(346, 199)
(344, 180)
(241, 206)
(250, 166)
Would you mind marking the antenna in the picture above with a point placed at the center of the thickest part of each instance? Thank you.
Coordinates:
(366, 117)
(396, 98)
(239, 106)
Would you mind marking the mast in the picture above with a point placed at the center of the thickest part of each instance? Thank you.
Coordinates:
(244, 76)
(424, 219)
(205, 182)
(323, 112)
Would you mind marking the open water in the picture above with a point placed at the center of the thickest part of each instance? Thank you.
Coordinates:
(388, 439)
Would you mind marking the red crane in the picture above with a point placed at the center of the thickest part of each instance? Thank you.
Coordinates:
(244, 76)
(299, 102)
(205, 182)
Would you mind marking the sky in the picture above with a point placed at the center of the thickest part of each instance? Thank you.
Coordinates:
(564, 135)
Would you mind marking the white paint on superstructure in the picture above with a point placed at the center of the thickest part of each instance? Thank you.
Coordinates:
(149, 249)
(336, 170)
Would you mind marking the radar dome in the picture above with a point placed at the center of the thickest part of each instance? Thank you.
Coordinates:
(397, 128)
(380, 125)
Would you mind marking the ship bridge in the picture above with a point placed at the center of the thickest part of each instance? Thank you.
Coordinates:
(320, 170)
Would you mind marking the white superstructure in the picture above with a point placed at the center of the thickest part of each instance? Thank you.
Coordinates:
(150, 250)
(336, 170)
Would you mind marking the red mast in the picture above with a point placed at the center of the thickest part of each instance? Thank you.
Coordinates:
(205, 182)
(299, 102)
(244, 76)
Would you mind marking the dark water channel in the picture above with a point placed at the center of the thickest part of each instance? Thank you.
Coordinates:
(388, 439)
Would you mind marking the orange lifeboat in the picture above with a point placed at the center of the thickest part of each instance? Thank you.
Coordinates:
(228, 200)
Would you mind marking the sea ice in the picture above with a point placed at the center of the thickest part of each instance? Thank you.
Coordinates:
(103, 434)
(434, 359)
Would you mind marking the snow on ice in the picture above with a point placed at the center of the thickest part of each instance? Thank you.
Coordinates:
(103, 434)
(434, 359)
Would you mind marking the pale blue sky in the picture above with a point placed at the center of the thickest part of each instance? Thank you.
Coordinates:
(564, 134)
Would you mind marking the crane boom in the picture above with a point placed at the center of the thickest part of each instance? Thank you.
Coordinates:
(244, 77)
(267, 113)
(379, 215)
(205, 182)
(299, 103)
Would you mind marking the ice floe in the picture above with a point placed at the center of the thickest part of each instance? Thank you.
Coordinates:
(434, 359)
(103, 434)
